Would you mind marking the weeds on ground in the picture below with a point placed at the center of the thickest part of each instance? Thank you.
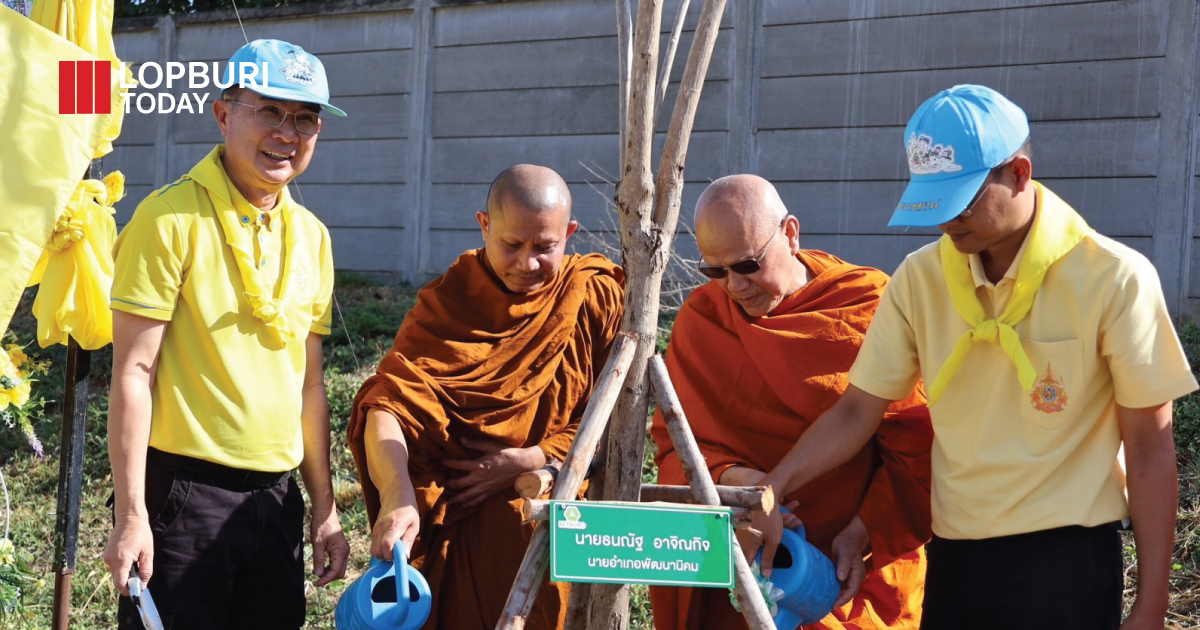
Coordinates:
(1184, 610)
(364, 327)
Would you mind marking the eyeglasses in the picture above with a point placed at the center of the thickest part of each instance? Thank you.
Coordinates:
(987, 181)
(741, 267)
(273, 116)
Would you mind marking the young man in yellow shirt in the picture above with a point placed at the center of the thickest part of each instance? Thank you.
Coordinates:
(1046, 348)
(221, 294)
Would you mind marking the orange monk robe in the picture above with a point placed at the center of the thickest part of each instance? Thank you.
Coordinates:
(751, 386)
(473, 360)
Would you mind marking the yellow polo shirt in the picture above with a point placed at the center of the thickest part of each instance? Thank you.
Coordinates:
(1007, 460)
(226, 389)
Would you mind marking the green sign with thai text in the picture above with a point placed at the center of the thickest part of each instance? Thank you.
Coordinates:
(593, 541)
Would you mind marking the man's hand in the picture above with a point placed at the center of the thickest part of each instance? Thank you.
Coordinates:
(398, 519)
(129, 542)
(848, 549)
(495, 470)
(330, 549)
(766, 528)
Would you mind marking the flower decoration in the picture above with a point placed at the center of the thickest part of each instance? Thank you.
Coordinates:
(16, 370)
(8, 553)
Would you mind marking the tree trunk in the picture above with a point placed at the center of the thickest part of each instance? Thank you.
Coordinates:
(641, 257)
(646, 235)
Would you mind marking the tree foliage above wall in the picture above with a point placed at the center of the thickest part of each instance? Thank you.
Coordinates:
(140, 8)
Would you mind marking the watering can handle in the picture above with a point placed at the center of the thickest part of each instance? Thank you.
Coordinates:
(400, 566)
(799, 530)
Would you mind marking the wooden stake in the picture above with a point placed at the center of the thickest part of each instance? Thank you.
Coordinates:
(539, 510)
(532, 485)
(749, 597)
(591, 427)
(749, 497)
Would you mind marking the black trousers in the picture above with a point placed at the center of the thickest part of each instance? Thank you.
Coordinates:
(227, 548)
(1069, 578)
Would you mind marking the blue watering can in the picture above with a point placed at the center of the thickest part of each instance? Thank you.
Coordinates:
(371, 602)
(806, 577)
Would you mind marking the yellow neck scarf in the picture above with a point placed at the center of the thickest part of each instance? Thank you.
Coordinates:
(1057, 228)
(269, 306)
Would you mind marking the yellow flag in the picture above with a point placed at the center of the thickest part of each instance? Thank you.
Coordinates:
(45, 152)
(87, 24)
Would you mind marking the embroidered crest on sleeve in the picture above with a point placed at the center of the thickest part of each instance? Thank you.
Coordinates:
(927, 158)
(1049, 394)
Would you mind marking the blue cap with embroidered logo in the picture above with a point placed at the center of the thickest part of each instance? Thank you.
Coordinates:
(293, 74)
(952, 141)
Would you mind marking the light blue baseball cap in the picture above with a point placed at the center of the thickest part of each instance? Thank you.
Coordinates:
(293, 74)
(952, 141)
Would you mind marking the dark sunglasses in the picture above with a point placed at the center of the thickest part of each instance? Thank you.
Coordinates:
(741, 267)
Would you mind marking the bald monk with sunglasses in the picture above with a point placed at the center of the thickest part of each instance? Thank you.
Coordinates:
(756, 355)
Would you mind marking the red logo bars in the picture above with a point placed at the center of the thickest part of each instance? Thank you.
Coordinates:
(84, 87)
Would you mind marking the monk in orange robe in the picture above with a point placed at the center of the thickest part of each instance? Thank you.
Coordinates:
(487, 379)
(756, 355)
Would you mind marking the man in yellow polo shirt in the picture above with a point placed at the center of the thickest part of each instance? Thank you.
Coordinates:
(1046, 348)
(221, 294)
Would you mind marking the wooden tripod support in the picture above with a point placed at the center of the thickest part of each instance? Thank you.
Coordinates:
(565, 484)
(591, 428)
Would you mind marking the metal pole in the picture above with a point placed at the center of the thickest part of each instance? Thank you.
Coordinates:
(70, 469)
(70, 479)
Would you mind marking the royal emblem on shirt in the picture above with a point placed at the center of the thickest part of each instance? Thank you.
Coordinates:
(297, 69)
(300, 285)
(927, 158)
(1049, 395)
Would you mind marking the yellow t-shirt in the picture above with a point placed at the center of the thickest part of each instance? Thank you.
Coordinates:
(227, 389)
(1007, 460)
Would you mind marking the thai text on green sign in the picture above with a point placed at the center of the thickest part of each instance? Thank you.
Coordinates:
(592, 541)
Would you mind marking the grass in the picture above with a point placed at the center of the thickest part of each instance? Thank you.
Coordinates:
(365, 324)
(1184, 609)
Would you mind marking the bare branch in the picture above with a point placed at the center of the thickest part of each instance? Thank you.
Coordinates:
(664, 72)
(670, 168)
(624, 57)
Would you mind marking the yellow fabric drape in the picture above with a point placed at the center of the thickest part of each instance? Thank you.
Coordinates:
(1057, 228)
(76, 268)
(45, 153)
(87, 24)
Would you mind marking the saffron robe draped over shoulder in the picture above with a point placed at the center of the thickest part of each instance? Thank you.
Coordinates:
(751, 386)
(473, 360)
